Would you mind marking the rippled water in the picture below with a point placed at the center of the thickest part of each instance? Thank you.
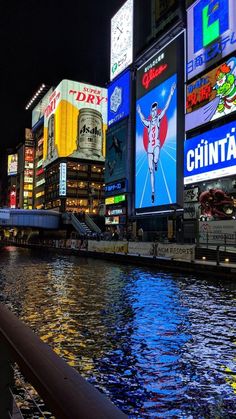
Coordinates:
(160, 345)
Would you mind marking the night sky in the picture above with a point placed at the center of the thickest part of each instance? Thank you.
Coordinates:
(46, 41)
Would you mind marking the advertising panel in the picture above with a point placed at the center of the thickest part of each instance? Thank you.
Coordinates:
(210, 155)
(38, 111)
(217, 232)
(121, 39)
(211, 26)
(175, 251)
(191, 195)
(119, 99)
(158, 81)
(120, 186)
(12, 164)
(112, 220)
(191, 210)
(115, 199)
(63, 176)
(29, 155)
(116, 152)
(75, 122)
(211, 96)
(12, 199)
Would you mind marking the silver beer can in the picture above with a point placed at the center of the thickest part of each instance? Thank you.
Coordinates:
(90, 132)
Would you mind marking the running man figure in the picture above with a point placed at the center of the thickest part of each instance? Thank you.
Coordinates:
(153, 126)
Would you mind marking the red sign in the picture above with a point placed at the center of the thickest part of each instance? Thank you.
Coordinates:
(152, 74)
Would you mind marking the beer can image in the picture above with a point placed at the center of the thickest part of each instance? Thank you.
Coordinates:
(90, 132)
(51, 136)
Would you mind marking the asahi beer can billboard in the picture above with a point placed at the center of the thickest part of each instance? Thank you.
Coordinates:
(75, 122)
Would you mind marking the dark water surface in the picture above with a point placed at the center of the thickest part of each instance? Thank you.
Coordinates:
(159, 345)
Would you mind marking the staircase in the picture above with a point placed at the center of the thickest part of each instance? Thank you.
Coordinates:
(83, 224)
(86, 228)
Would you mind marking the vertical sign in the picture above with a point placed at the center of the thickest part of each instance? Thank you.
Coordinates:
(62, 183)
(158, 110)
(122, 39)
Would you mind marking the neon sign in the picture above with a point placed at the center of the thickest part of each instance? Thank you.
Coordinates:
(211, 155)
(211, 33)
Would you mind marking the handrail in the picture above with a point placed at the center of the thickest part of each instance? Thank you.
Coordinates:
(66, 393)
(91, 224)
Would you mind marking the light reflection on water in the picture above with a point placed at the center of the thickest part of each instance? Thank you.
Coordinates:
(160, 345)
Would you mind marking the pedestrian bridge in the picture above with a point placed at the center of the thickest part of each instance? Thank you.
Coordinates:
(46, 219)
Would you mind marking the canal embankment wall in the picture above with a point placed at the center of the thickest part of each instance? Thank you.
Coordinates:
(165, 256)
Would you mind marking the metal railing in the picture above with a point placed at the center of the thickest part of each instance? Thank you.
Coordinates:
(65, 392)
(221, 239)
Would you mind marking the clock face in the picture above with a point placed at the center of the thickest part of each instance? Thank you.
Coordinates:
(122, 39)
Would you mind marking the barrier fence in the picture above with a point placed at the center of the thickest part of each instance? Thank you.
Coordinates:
(65, 392)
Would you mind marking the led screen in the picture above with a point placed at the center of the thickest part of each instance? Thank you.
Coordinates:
(211, 26)
(210, 155)
(119, 99)
(211, 96)
(12, 164)
(121, 39)
(116, 152)
(75, 122)
(158, 82)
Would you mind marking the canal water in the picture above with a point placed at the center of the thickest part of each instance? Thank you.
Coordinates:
(158, 344)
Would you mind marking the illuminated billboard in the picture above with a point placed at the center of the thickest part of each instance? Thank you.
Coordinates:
(211, 33)
(159, 92)
(75, 122)
(12, 164)
(211, 96)
(116, 152)
(210, 155)
(121, 39)
(62, 181)
(119, 99)
(38, 111)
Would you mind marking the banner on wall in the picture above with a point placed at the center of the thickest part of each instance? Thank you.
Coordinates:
(116, 152)
(75, 122)
(158, 81)
(210, 155)
(211, 33)
(217, 232)
(211, 96)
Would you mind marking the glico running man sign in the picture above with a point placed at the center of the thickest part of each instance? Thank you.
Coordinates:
(159, 94)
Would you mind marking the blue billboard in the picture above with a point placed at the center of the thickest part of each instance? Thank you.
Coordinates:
(210, 155)
(116, 152)
(211, 33)
(119, 99)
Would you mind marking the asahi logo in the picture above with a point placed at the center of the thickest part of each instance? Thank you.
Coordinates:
(88, 130)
